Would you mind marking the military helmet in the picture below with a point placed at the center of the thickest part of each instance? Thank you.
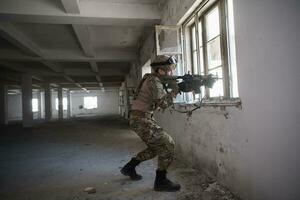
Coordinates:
(163, 62)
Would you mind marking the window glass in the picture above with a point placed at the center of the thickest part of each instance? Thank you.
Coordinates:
(205, 50)
(217, 90)
(194, 47)
(214, 53)
(188, 47)
(217, 72)
(200, 33)
(212, 24)
(200, 46)
(146, 70)
(90, 102)
(195, 67)
(194, 50)
(35, 103)
(197, 97)
(201, 61)
(189, 97)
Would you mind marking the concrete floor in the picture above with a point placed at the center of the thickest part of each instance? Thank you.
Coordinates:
(59, 160)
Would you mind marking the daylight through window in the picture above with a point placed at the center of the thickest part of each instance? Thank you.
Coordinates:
(65, 103)
(90, 102)
(206, 50)
(35, 103)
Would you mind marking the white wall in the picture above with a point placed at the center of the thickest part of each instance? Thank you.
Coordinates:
(14, 104)
(122, 101)
(255, 151)
(54, 96)
(108, 102)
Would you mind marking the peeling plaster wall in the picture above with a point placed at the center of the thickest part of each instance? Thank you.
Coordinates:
(173, 10)
(255, 151)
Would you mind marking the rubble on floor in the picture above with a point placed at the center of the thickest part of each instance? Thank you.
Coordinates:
(198, 185)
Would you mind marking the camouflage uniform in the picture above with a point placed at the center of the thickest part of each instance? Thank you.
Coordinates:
(150, 96)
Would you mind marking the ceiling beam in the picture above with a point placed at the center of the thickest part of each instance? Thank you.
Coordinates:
(22, 69)
(16, 37)
(94, 67)
(83, 36)
(71, 56)
(38, 78)
(53, 67)
(72, 81)
(91, 12)
(81, 31)
(71, 6)
(19, 68)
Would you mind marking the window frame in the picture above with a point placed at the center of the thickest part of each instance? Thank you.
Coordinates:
(199, 15)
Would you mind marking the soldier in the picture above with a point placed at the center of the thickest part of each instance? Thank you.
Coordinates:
(150, 96)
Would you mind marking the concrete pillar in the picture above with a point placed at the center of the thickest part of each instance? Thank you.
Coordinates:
(48, 102)
(126, 100)
(39, 105)
(27, 100)
(3, 105)
(60, 103)
(69, 112)
(42, 97)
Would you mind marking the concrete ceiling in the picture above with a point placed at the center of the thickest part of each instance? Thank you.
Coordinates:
(83, 44)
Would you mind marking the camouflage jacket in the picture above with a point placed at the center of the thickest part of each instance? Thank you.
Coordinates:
(151, 95)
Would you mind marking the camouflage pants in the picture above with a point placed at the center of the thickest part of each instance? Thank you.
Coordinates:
(158, 142)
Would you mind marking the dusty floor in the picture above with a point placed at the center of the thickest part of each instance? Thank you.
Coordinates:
(58, 160)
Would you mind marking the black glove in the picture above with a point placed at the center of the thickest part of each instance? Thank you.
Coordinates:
(173, 85)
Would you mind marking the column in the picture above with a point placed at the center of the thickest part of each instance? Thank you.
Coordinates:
(39, 104)
(27, 100)
(48, 102)
(3, 105)
(126, 103)
(60, 103)
(69, 113)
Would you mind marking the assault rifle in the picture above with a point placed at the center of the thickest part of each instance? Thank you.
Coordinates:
(189, 82)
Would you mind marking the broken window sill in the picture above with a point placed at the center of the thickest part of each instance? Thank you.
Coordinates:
(213, 102)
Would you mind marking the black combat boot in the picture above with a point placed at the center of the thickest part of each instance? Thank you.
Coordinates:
(163, 184)
(129, 169)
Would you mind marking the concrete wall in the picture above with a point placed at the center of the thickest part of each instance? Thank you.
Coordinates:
(108, 103)
(54, 111)
(255, 151)
(14, 104)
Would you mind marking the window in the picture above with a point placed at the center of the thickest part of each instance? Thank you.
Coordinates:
(65, 103)
(90, 102)
(35, 105)
(206, 48)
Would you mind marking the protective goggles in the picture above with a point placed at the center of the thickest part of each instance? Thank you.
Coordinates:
(171, 60)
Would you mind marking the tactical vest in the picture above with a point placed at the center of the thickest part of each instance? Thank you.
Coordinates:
(143, 100)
